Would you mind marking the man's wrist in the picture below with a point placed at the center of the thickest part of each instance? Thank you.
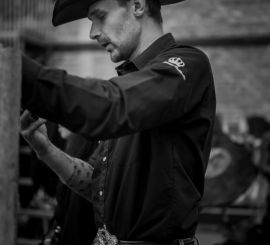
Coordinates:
(46, 153)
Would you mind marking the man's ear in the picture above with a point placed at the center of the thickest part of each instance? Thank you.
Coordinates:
(138, 7)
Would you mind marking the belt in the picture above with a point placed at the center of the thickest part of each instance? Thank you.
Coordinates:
(186, 241)
(105, 238)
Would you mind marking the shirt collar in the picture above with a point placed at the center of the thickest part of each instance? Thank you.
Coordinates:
(147, 55)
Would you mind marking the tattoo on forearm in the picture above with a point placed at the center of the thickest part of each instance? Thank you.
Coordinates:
(80, 179)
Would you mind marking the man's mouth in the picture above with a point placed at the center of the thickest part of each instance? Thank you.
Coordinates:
(108, 47)
(104, 45)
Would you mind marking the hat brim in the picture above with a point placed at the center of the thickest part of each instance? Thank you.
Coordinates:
(69, 10)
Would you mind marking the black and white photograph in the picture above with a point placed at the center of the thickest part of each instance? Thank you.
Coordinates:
(134, 122)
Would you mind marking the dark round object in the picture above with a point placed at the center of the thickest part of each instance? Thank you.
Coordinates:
(229, 173)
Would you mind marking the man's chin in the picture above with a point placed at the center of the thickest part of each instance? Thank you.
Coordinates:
(115, 57)
(114, 60)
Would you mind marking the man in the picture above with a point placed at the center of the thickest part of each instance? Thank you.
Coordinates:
(154, 123)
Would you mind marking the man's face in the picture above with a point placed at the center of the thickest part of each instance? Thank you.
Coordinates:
(115, 28)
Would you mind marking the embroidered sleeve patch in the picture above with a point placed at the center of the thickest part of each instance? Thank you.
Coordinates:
(177, 63)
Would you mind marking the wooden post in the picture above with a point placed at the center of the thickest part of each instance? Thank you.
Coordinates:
(10, 87)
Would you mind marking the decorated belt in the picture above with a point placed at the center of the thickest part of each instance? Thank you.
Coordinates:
(104, 237)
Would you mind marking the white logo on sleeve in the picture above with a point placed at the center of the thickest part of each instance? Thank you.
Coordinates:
(177, 63)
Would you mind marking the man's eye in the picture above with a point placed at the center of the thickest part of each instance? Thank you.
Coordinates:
(101, 17)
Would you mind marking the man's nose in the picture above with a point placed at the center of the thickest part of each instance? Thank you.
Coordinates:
(94, 32)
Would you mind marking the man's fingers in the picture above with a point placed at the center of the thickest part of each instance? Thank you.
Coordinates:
(27, 118)
(32, 127)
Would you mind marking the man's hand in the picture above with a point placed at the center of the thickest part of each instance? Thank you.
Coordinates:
(74, 172)
(35, 133)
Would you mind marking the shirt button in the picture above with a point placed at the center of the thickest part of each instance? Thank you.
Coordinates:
(104, 159)
(101, 193)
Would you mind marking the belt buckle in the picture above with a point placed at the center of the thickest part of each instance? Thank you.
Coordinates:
(104, 237)
(186, 241)
(180, 242)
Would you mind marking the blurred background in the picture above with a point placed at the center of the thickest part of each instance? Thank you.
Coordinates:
(235, 34)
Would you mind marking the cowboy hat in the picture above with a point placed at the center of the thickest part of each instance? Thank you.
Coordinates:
(70, 10)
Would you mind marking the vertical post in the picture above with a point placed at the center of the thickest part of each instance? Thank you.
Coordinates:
(10, 86)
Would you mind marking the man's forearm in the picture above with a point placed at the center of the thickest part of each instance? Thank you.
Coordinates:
(74, 172)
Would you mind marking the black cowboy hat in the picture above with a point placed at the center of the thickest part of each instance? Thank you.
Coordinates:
(70, 10)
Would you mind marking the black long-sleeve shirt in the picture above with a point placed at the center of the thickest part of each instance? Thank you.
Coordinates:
(155, 123)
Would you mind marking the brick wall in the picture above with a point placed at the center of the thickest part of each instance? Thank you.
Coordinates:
(242, 78)
(198, 18)
(242, 74)
(84, 63)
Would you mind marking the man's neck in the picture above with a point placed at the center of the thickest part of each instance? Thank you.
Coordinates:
(151, 31)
